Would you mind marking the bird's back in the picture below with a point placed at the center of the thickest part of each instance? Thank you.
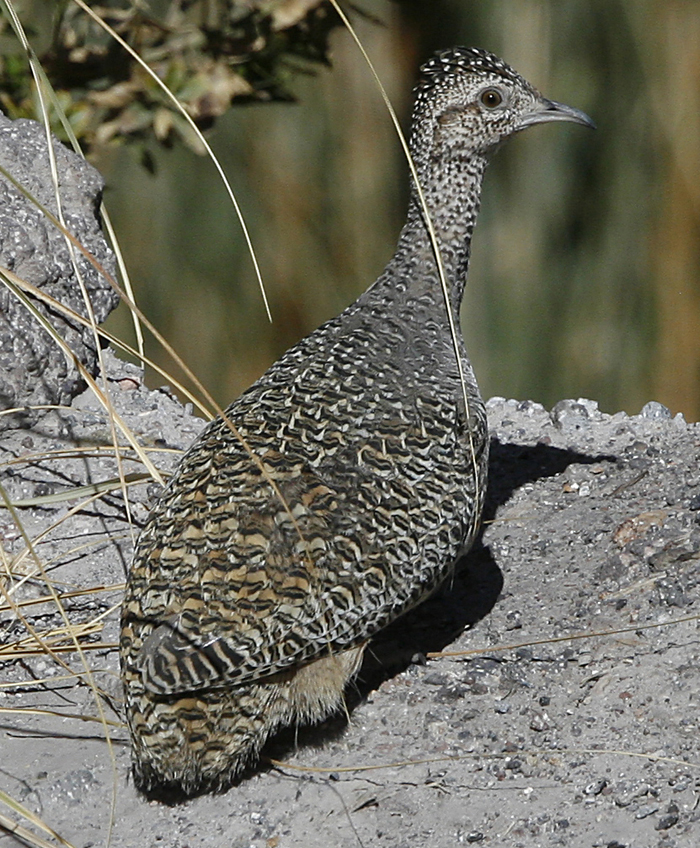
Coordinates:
(332, 496)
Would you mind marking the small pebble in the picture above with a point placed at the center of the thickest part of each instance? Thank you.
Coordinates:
(646, 810)
(596, 787)
(655, 410)
(539, 722)
(434, 678)
(669, 819)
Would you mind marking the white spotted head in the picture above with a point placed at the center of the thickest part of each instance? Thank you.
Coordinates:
(468, 101)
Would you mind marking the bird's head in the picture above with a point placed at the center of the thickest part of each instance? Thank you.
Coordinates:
(468, 101)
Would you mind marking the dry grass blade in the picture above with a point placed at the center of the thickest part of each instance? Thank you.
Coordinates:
(83, 452)
(40, 681)
(31, 544)
(551, 640)
(116, 484)
(547, 752)
(125, 278)
(64, 639)
(26, 836)
(22, 833)
(49, 638)
(621, 752)
(70, 634)
(63, 596)
(61, 638)
(54, 651)
(59, 558)
(44, 407)
(56, 714)
(375, 766)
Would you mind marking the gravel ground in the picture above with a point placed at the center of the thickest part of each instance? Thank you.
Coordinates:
(568, 716)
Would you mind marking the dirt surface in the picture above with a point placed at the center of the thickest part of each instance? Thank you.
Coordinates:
(536, 737)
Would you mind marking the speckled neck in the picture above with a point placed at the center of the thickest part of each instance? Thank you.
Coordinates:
(452, 190)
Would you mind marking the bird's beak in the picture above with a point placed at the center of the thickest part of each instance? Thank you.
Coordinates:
(549, 110)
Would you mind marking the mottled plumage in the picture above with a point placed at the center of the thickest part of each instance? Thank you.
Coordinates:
(338, 491)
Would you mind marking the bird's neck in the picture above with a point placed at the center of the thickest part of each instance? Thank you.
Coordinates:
(452, 191)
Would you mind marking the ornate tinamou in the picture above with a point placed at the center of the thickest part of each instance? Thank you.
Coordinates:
(337, 492)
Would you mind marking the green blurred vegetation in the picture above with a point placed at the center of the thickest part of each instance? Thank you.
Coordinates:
(585, 277)
(209, 53)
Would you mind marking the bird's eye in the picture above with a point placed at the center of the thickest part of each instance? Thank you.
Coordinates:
(491, 98)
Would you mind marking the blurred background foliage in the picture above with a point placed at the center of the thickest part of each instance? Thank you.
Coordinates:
(208, 52)
(585, 277)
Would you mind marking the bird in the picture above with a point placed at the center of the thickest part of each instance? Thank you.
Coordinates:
(338, 491)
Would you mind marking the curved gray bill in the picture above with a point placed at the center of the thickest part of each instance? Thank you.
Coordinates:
(550, 110)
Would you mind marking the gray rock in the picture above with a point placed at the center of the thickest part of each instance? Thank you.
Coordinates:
(33, 369)
(570, 415)
(654, 409)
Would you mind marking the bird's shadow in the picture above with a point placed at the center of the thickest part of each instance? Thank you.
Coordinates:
(465, 598)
